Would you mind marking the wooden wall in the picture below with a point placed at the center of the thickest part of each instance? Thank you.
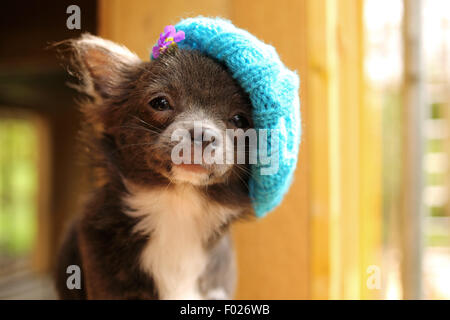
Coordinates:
(32, 79)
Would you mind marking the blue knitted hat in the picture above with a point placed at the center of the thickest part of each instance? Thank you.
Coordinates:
(273, 91)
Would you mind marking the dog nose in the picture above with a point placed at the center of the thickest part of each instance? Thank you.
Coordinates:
(202, 137)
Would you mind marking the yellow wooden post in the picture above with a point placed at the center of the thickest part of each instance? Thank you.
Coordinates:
(345, 163)
(370, 177)
(346, 258)
(361, 151)
(318, 78)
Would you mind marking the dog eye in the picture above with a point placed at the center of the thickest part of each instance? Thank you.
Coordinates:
(240, 121)
(160, 104)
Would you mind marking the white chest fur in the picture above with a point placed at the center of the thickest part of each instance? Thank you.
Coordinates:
(178, 220)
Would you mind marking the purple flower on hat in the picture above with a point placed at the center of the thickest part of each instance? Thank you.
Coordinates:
(169, 37)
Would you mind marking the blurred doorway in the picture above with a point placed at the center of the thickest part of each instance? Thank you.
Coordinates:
(39, 175)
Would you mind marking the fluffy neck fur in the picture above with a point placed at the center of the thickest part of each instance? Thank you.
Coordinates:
(180, 222)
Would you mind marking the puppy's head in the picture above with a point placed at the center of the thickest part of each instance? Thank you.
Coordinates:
(166, 120)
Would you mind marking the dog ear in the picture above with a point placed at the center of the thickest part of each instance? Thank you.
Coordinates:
(101, 64)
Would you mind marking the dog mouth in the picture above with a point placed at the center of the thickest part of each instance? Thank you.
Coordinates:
(195, 174)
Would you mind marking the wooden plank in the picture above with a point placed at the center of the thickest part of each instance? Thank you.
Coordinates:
(319, 97)
(360, 154)
(346, 256)
(334, 161)
(370, 177)
(346, 173)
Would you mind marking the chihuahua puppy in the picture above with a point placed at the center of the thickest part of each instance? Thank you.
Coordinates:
(154, 229)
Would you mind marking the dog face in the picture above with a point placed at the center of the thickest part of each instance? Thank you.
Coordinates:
(144, 114)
